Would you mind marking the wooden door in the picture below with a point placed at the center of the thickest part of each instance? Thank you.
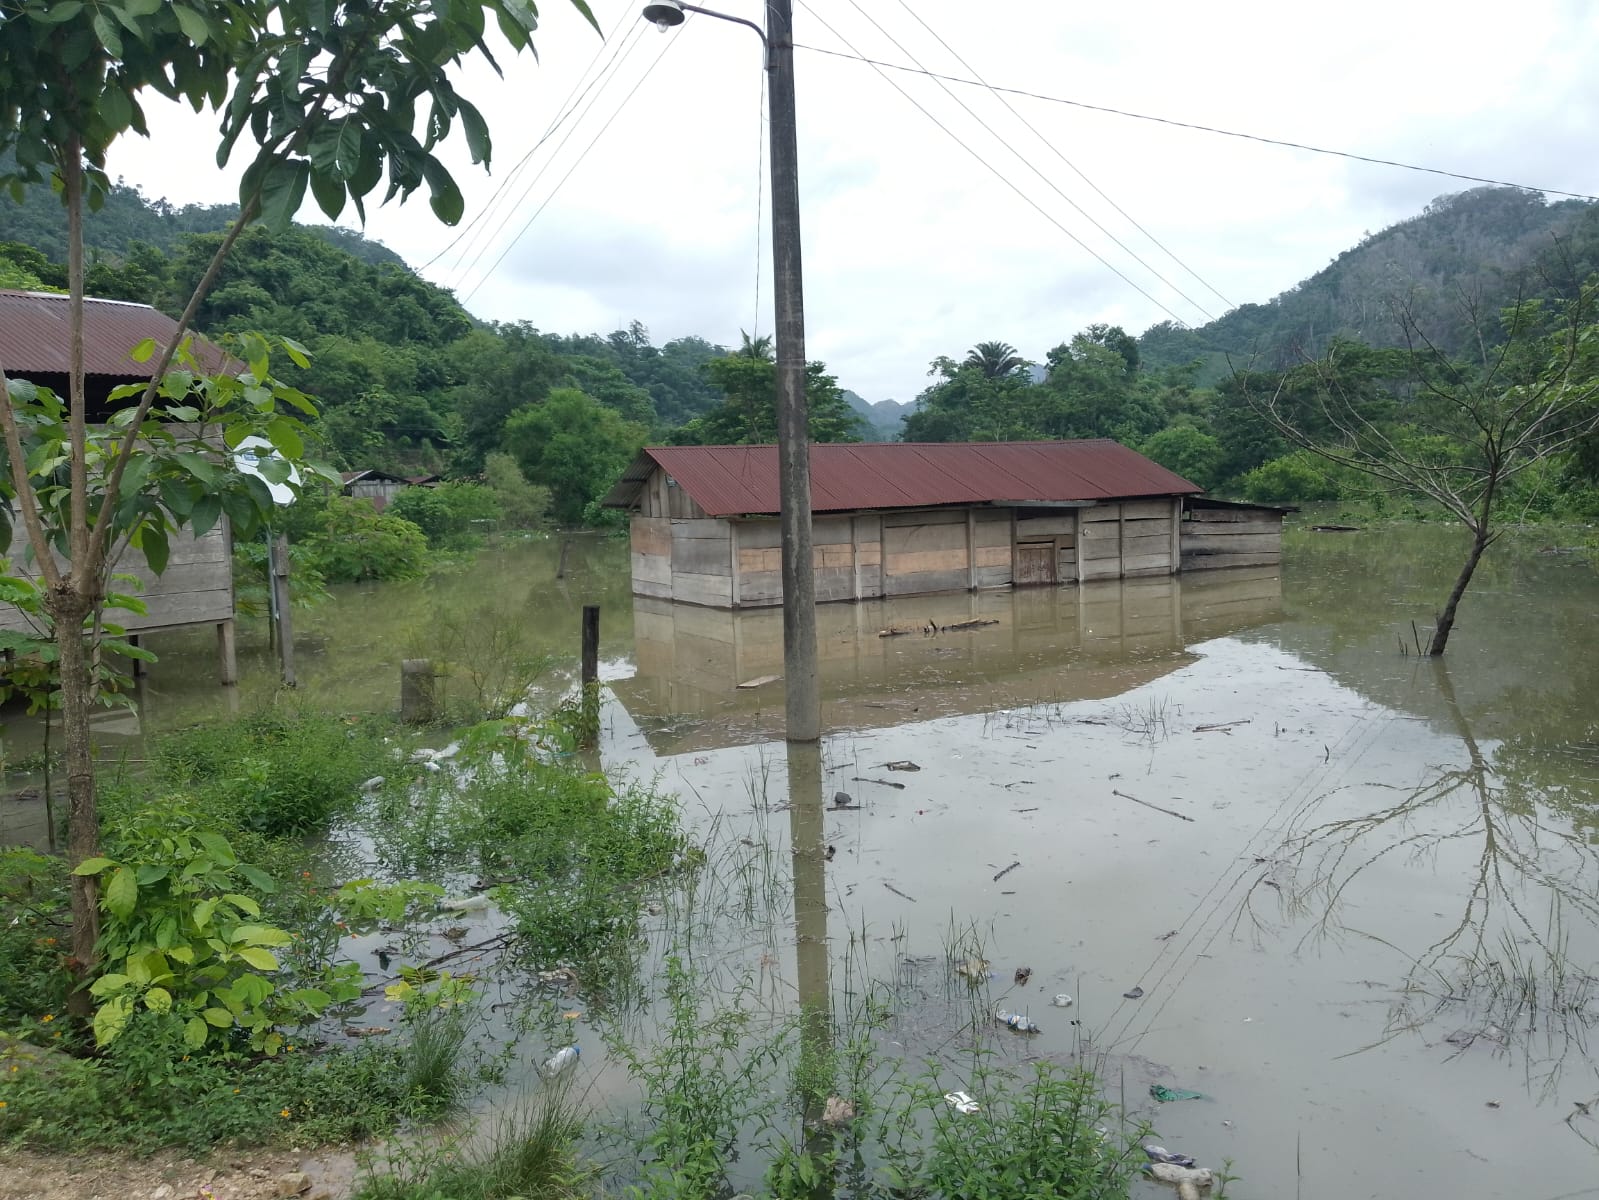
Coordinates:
(1035, 563)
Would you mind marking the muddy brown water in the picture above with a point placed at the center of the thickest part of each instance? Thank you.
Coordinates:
(1356, 888)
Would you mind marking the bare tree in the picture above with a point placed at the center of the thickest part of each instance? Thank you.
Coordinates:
(1454, 433)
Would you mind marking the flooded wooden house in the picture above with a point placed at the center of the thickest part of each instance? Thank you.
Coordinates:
(196, 588)
(898, 519)
(379, 487)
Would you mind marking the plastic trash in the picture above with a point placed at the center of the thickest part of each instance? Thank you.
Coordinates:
(1017, 1021)
(974, 969)
(962, 1103)
(458, 904)
(559, 1061)
(1190, 1181)
(1134, 993)
(1166, 1095)
(1160, 1154)
(1061, 1000)
(1023, 974)
(373, 784)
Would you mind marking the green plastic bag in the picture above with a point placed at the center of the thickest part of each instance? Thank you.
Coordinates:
(1165, 1094)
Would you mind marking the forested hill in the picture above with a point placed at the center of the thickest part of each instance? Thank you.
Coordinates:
(128, 217)
(1483, 244)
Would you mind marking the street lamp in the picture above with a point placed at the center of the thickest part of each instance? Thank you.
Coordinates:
(800, 683)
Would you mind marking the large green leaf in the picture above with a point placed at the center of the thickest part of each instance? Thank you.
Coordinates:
(121, 893)
(261, 960)
(111, 1019)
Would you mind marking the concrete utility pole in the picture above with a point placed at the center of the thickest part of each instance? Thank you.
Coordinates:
(801, 685)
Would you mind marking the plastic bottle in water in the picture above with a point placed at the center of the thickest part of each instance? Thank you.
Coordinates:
(559, 1061)
(1017, 1021)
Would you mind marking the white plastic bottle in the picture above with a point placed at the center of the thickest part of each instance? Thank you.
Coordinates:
(1016, 1021)
(559, 1061)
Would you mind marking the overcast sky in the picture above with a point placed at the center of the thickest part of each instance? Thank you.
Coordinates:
(913, 247)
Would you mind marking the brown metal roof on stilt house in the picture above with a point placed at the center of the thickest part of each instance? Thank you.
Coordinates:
(742, 480)
(35, 336)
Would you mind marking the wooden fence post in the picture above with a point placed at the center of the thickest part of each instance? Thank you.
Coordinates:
(591, 676)
(278, 569)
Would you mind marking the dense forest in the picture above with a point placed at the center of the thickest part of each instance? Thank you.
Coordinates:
(409, 382)
(1485, 247)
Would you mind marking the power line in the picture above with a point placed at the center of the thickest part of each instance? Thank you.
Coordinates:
(549, 162)
(1232, 133)
(579, 162)
(760, 191)
(922, 21)
(561, 113)
(998, 174)
(1028, 163)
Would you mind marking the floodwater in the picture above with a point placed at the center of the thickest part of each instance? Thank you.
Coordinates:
(1356, 888)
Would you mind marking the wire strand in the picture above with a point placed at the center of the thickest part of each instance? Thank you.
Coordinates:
(1033, 167)
(998, 174)
(577, 163)
(561, 113)
(1176, 124)
(1055, 150)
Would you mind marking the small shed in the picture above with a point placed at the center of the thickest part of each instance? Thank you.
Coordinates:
(377, 486)
(1230, 533)
(896, 519)
(197, 586)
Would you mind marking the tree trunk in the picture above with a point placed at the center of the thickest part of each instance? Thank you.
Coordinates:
(68, 608)
(1446, 619)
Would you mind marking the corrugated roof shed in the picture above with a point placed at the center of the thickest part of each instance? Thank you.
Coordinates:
(35, 330)
(733, 480)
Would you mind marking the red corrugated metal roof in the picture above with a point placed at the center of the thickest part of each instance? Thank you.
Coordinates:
(35, 328)
(730, 480)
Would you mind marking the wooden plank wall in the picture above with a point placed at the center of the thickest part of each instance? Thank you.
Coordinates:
(195, 589)
(652, 555)
(1059, 527)
(1126, 538)
(662, 497)
(1231, 537)
(702, 562)
(924, 552)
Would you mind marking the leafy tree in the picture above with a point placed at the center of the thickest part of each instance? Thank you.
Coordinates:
(572, 445)
(1458, 433)
(523, 505)
(451, 514)
(356, 544)
(994, 359)
(1192, 453)
(749, 414)
(330, 99)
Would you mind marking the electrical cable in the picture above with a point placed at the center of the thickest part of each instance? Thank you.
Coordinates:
(1031, 166)
(632, 41)
(1164, 249)
(561, 113)
(579, 162)
(997, 173)
(1176, 124)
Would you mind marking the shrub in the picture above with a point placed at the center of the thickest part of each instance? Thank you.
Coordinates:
(451, 514)
(1293, 477)
(277, 772)
(523, 505)
(357, 543)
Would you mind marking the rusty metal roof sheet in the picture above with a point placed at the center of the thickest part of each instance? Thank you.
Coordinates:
(34, 335)
(733, 480)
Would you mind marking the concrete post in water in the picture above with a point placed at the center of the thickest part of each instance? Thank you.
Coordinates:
(418, 697)
(278, 569)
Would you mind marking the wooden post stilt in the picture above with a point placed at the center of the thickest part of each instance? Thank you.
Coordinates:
(227, 655)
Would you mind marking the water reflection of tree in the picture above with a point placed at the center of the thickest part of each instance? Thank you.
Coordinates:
(1503, 972)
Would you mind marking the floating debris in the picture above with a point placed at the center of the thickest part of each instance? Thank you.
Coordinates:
(837, 1111)
(902, 764)
(1136, 993)
(759, 681)
(1023, 974)
(975, 969)
(962, 1103)
(1006, 871)
(1166, 1095)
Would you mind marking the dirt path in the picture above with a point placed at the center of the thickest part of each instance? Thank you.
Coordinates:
(257, 1175)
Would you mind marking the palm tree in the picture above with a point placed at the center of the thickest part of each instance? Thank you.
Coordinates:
(994, 358)
(759, 347)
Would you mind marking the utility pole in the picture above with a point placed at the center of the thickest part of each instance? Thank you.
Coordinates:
(800, 682)
(801, 686)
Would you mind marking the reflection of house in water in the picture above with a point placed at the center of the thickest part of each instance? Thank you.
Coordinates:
(1046, 645)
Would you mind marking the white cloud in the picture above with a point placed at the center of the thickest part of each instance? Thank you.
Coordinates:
(913, 248)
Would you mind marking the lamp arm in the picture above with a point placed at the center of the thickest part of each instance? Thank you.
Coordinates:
(721, 16)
